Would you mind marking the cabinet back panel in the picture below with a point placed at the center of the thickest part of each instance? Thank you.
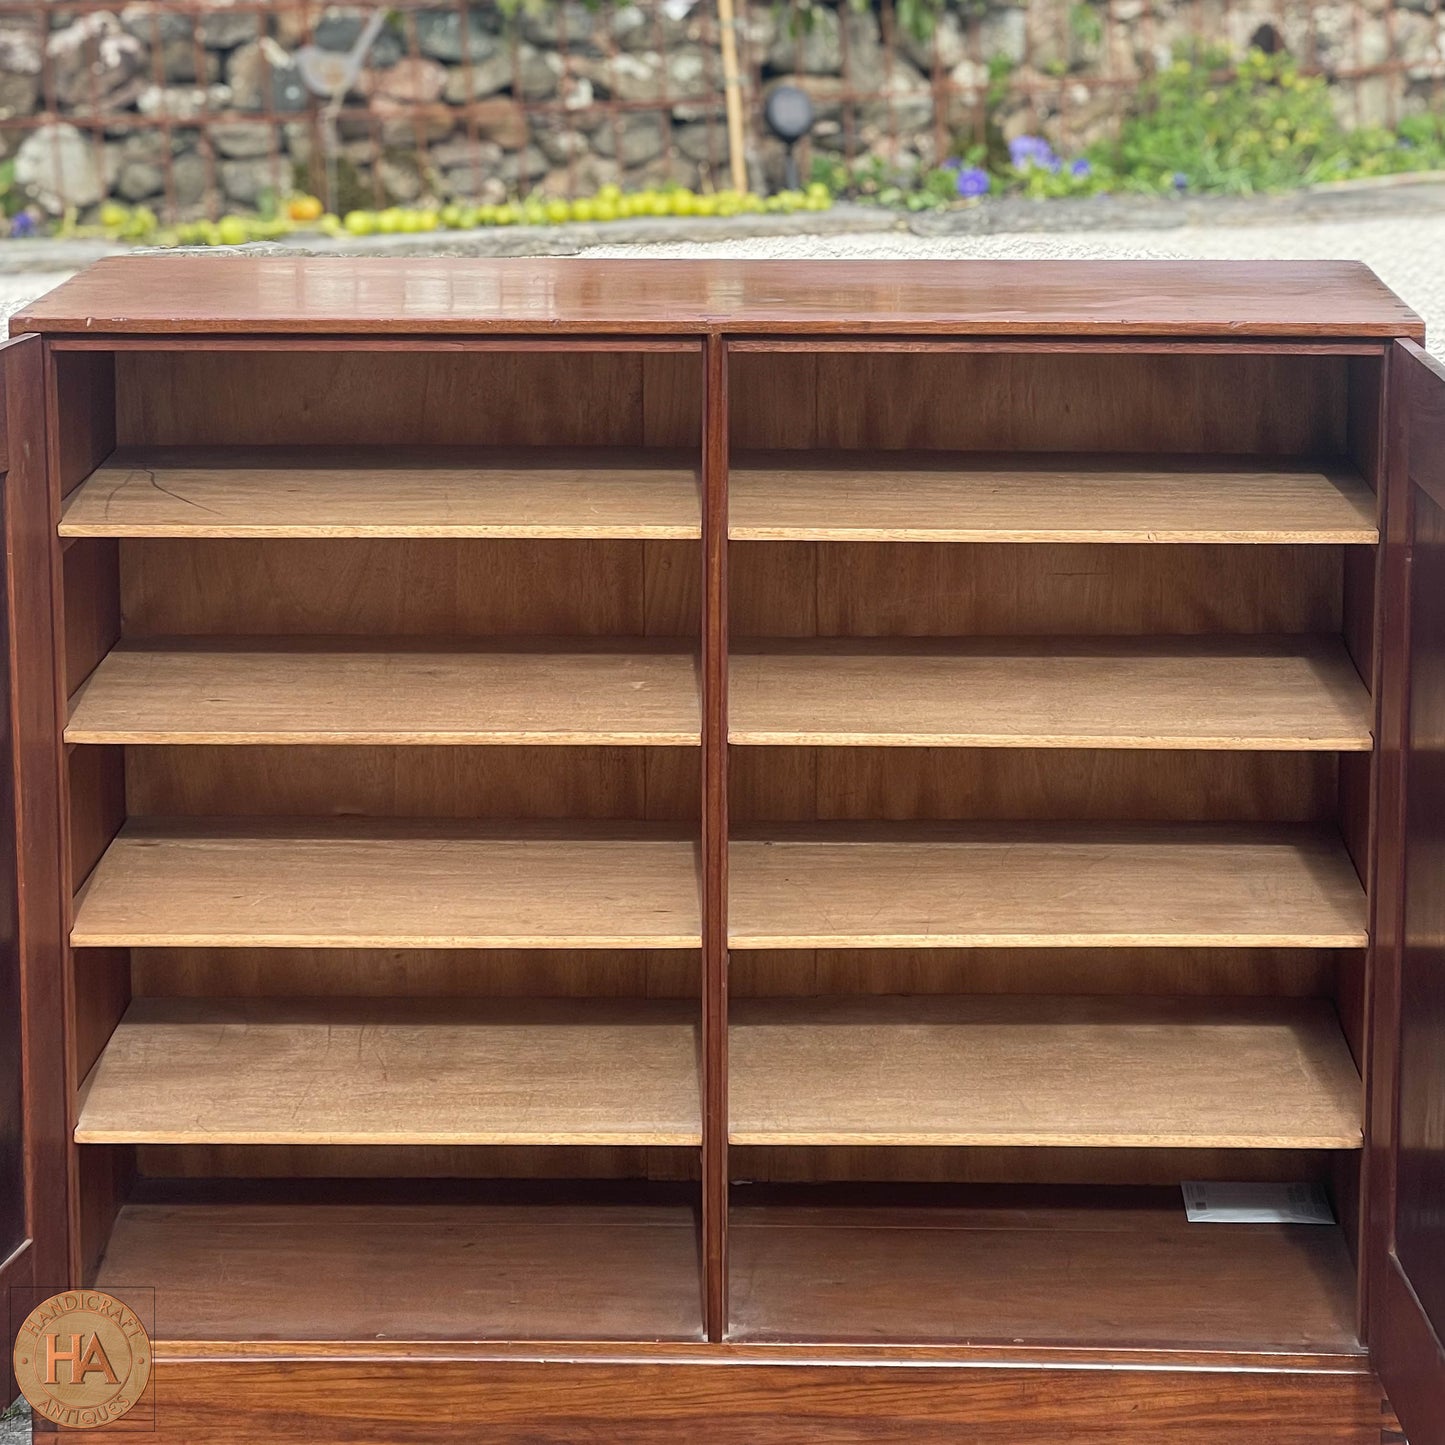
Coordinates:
(1266, 972)
(415, 973)
(385, 1161)
(380, 782)
(924, 589)
(1023, 1166)
(431, 588)
(1268, 405)
(91, 594)
(807, 784)
(531, 398)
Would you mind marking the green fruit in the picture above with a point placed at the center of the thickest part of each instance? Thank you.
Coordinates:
(817, 188)
(113, 215)
(451, 217)
(506, 215)
(232, 231)
(361, 223)
(429, 221)
(605, 210)
(683, 203)
(410, 221)
(534, 213)
(584, 209)
(558, 210)
(753, 203)
(659, 205)
(610, 192)
(330, 224)
(389, 222)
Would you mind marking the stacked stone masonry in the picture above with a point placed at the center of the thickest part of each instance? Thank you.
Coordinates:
(196, 108)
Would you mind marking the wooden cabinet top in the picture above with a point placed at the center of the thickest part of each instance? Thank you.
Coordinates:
(241, 295)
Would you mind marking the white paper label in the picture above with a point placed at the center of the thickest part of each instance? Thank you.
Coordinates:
(1207, 1201)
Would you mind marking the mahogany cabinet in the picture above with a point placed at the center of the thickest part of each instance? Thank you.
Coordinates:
(625, 850)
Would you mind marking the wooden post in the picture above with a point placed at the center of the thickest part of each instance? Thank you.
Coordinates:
(733, 94)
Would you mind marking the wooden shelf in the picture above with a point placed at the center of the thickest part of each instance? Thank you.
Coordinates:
(984, 497)
(1043, 885)
(331, 884)
(412, 1271)
(346, 691)
(1296, 693)
(387, 492)
(396, 1071)
(1036, 1071)
(1112, 1269)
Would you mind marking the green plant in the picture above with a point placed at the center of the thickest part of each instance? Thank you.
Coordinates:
(1085, 23)
(1261, 126)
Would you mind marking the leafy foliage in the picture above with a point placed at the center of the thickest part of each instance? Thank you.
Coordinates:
(1202, 124)
(1261, 126)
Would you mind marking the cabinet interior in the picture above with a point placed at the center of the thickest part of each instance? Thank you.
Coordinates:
(1049, 771)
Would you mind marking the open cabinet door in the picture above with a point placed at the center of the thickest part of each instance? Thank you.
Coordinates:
(1406, 1283)
(33, 1227)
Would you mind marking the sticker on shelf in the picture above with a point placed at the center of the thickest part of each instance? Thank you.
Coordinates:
(1208, 1201)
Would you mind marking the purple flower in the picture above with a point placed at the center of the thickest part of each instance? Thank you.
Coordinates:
(973, 181)
(1032, 150)
(22, 225)
(1181, 181)
(1081, 170)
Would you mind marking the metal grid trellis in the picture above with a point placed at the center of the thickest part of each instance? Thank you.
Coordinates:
(457, 102)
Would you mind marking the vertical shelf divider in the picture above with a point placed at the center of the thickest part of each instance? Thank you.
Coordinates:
(714, 836)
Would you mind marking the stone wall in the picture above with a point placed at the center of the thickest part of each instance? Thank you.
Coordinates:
(200, 108)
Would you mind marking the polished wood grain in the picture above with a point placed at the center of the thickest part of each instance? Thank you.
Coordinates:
(395, 1071)
(1227, 693)
(346, 397)
(409, 587)
(961, 497)
(339, 691)
(859, 885)
(1095, 1268)
(1045, 589)
(1075, 399)
(1405, 1275)
(386, 492)
(755, 1396)
(714, 857)
(35, 950)
(1057, 1072)
(435, 296)
(622, 783)
(413, 1271)
(212, 884)
(445, 1271)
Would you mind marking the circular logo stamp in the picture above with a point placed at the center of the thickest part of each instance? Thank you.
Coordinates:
(82, 1359)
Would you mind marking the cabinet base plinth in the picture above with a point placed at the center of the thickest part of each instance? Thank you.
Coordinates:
(356, 1395)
